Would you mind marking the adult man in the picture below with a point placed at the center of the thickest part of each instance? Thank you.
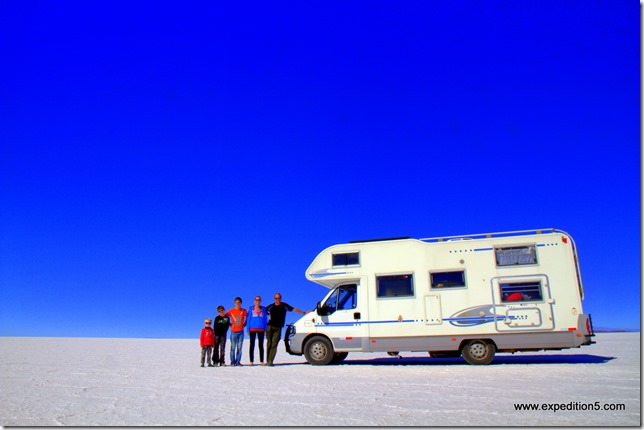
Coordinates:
(276, 319)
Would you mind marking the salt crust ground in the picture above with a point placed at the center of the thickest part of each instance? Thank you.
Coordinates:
(142, 382)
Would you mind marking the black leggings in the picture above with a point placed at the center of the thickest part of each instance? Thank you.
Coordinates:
(260, 337)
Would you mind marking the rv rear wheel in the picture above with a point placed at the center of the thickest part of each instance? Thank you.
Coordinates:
(319, 351)
(479, 352)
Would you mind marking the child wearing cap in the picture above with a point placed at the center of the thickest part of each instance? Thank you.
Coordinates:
(222, 322)
(207, 341)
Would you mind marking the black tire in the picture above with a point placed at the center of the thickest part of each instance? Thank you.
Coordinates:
(319, 351)
(339, 357)
(478, 352)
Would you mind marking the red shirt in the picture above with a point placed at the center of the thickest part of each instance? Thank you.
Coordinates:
(207, 337)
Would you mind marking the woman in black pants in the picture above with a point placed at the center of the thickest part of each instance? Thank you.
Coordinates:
(256, 328)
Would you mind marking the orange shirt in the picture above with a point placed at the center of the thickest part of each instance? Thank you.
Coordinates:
(237, 319)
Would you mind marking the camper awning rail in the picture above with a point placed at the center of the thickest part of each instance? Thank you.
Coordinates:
(489, 235)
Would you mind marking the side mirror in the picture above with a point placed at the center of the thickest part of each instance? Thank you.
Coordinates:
(321, 310)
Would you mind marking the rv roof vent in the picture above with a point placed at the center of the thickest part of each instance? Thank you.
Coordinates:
(379, 240)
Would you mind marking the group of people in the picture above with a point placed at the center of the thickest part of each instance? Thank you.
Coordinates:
(259, 322)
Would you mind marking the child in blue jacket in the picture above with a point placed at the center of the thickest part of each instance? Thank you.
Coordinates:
(256, 328)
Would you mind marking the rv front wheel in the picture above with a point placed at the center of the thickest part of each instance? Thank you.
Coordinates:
(479, 352)
(319, 351)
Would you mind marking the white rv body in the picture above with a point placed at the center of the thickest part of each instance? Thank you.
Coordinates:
(472, 295)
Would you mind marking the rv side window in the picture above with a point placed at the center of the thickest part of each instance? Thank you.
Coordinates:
(516, 255)
(448, 279)
(346, 259)
(395, 286)
(521, 292)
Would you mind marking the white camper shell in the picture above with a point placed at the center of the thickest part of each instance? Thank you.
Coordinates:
(470, 295)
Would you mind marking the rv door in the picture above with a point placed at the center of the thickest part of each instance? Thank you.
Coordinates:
(522, 303)
(340, 317)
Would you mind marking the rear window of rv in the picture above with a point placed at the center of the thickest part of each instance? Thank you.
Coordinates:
(521, 292)
(395, 286)
(346, 259)
(448, 279)
(516, 255)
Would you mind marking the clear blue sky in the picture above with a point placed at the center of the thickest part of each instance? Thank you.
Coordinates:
(159, 159)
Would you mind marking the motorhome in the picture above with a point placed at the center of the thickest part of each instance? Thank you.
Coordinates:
(471, 296)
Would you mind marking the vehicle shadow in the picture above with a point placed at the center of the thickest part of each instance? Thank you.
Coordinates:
(499, 359)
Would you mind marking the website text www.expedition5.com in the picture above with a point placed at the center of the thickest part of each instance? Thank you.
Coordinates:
(570, 406)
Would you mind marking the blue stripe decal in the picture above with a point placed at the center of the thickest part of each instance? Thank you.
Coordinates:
(354, 323)
(491, 318)
(483, 249)
(322, 275)
(464, 320)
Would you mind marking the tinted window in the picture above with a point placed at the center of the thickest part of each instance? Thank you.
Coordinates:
(348, 259)
(448, 279)
(395, 286)
(521, 292)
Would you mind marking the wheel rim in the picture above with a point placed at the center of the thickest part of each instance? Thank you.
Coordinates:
(478, 350)
(319, 351)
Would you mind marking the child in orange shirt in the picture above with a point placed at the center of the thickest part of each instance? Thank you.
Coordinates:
(238, 317)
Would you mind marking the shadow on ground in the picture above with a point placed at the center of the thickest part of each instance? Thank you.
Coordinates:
(499, 359)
